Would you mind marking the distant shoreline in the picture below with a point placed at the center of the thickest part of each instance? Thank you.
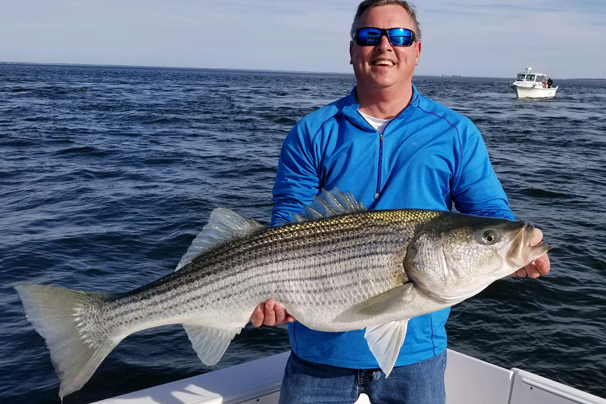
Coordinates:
(267, 71)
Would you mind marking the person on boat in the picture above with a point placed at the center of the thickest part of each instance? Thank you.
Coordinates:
(549, 83)
(391, 148)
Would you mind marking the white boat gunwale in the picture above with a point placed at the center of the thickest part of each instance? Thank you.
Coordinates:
(468, 381)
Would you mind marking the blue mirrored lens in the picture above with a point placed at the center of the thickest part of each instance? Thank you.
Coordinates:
(400, 36)
(396, 36)
(369, 36)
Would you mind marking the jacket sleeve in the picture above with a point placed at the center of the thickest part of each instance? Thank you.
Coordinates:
(475, 188)
(297, 179)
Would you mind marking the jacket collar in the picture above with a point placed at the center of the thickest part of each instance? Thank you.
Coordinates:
(350, 109)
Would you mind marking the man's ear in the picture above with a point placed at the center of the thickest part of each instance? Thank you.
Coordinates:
(418, 45)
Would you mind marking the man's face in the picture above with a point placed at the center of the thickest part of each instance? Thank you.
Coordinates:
(384, 66)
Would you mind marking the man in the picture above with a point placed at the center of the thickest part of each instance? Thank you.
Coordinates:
(391, 148)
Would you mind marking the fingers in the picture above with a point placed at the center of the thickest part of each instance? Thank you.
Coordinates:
(270, 313)
(538, 267)
(542, 264)
(531, 270)
(280, 314)
(285, 317)
(536, 237)
(257, 317)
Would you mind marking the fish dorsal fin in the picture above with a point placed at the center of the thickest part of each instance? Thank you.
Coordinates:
(224, 225)
(210, 343)
(385, 341)
(328, 204)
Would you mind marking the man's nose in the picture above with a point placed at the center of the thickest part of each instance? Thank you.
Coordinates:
(384, 43)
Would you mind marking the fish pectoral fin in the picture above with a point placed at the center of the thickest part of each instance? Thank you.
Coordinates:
(385, 341)
(210, 343)
(386, 301)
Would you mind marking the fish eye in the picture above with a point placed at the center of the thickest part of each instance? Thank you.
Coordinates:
(490, 237)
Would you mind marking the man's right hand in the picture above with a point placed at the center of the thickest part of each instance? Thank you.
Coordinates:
(270, 313)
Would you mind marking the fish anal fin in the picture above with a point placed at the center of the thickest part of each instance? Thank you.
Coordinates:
(385, 341)
(210, 343)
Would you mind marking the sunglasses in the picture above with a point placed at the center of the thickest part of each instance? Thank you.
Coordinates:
(396, 36)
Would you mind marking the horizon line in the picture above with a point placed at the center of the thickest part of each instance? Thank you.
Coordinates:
(257, 70)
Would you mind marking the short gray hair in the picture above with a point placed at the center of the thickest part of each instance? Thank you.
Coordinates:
(366, 4)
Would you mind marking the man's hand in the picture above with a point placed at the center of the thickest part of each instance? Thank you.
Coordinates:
(270, 313)
(538, 267)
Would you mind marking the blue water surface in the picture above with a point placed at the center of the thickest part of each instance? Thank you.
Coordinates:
(108, 173)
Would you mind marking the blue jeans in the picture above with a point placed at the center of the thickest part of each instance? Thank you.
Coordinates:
(308, 382)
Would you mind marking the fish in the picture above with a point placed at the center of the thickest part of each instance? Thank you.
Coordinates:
(335, 267)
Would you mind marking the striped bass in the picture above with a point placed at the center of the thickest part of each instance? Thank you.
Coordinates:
(336, 267)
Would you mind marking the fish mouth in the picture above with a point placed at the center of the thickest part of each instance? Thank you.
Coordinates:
(522, 253)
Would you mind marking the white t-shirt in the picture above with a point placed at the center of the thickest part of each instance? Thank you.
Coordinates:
(378, 124)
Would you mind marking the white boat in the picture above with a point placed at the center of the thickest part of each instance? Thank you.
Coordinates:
(531, 84)
(468, 381)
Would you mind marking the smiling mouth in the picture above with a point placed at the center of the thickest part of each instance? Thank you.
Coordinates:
(383, 63)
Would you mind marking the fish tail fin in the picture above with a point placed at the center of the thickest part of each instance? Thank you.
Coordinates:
(59, 316)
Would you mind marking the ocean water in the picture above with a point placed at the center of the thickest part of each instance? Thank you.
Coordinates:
(108, 173)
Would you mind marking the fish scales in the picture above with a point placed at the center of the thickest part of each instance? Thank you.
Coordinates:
(330, 250)
(303, 262)
(349, 269)
(222, 263)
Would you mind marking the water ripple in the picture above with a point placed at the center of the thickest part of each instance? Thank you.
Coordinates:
(107, 174)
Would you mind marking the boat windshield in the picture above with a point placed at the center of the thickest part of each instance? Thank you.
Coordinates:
(539, 78)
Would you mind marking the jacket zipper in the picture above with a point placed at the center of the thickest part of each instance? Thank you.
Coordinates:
(378, 191)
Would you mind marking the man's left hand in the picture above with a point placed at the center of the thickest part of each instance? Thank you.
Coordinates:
(538, 267)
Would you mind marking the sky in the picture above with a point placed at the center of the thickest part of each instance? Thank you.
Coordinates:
(472, 38)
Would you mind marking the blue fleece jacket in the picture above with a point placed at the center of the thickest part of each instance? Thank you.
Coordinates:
(428, 157)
